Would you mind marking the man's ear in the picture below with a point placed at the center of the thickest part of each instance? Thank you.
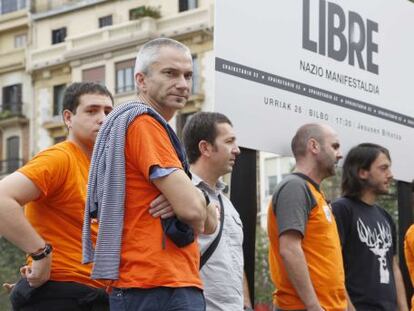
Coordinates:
(314, 146)
(363, 174)
(204, 148)
(67, 118)
(140, 81)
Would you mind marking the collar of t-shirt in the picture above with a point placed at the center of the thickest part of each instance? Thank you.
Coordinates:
(307, 178)
(198, 182)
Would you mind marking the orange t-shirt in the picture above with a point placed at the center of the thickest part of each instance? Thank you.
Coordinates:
(322, 249)
(144, 261)
(409, 256)
(61, 173)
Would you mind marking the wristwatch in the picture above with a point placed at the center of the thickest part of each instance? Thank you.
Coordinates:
(42, 253)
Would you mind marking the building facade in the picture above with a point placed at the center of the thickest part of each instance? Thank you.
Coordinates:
(15, 86)
(47, 44)
(97, 40)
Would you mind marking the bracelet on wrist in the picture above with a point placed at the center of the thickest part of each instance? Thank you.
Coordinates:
(41, 253)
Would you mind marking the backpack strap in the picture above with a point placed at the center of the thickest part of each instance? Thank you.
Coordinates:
(210, 250)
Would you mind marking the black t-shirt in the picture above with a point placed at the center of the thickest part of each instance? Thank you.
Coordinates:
(368, 238)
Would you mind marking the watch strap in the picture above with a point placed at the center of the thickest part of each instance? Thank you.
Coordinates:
(42, 253)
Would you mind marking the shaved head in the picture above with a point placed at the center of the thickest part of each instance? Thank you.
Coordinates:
(304, 134)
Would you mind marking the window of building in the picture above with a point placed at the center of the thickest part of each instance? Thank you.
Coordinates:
(58, 91)
(185, 5)
(271, 184)
(196, 75)
(12, 99)
(125, 76)
(271, 178)
(8, 6)
(20, 40)
(58, 35)
(96, 74)
(13, 155)
(105, 21)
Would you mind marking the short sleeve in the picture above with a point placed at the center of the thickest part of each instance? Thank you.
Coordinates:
(292, 203)
(343, 218)
(409, 251)
(159, 172)
(47, 170)
(148, 145)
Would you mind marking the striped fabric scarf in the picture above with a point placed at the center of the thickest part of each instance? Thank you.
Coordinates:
(106, 188)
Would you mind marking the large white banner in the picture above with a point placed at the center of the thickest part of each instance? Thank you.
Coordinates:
(281, 64)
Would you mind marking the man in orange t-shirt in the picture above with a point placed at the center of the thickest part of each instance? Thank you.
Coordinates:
(409, 256)
(53, 187)
(154, 273)
(305, 253)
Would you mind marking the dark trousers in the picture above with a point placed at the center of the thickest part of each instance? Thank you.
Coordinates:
(58, 296)
(157, 299)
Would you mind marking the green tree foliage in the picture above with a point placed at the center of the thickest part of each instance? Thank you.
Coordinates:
(389, 203)
(263, 286)
(144, 11)
(331, 186)
(11, 259)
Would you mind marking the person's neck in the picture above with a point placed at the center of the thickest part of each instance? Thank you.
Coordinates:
(165, 113)
(310, 171)
(368, 197)
(203, 171)
(87, 150)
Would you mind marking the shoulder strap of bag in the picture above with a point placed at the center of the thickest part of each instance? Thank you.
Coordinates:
(175, 141)
(210, 250)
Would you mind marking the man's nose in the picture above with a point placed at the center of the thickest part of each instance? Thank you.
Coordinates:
(101, 117)
(183, 82)
(236, 150)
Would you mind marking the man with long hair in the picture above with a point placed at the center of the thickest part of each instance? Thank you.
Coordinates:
(367, 231)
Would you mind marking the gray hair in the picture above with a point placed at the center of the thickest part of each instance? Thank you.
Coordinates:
(148, 53)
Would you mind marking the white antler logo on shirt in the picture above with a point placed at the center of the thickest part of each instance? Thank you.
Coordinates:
(379, 242)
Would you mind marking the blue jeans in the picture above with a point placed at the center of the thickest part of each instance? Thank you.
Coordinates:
(157, 299)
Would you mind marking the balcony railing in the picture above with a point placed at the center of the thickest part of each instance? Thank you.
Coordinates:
(10, 110)
(121, 35)
(12, 60)
(9, 166)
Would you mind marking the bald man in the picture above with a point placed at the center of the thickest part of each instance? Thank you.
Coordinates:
(305, 252)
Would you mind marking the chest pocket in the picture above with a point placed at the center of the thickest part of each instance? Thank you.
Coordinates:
(235, 244)
(234, 227)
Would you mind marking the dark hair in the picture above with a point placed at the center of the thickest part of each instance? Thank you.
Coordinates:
(201, 126)
(74, 91)
(359, 157)
(302, 136)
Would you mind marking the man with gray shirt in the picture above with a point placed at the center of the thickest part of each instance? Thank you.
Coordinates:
(305, 257)
(211, 148)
